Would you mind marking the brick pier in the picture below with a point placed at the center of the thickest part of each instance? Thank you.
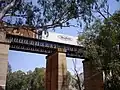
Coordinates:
(93, 79)
(4, 47)
(56, 70)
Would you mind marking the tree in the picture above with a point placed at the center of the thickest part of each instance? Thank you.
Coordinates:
(46, 14)
(78, 77)
(9, 68)
(38, 79)
(69, 78)
(21, 81)
(9, 71)
(102, 48)
(16, 81)
(75, 81)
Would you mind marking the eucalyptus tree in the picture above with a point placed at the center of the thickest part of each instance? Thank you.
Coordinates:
(103, 49)
(46, 14)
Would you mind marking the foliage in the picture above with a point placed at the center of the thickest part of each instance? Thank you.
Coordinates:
(77, 79)
(21, 81)
(38, 79)
(47, 14)
(102, 48)
(9, 68)
(29, 81)
(16, 81)
(69, 78)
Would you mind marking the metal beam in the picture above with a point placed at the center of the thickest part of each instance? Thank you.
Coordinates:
(33, 45)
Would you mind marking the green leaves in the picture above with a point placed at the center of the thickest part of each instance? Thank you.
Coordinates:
(50, 13)
(31, 80)
(102, 48)
(16, 81)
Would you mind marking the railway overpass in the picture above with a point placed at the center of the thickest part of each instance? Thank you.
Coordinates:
(57, 47)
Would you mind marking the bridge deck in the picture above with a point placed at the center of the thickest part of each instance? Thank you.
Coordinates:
(33, 45)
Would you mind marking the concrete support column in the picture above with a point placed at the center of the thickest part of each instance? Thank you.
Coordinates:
(56, 70)
(93, 80)
(4, 47)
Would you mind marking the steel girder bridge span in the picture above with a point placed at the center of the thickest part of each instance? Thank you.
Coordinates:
(56, 61)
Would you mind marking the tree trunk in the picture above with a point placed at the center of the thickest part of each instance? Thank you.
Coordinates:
(6, 9)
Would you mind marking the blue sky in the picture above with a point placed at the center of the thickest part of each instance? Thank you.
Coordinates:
(28, 61)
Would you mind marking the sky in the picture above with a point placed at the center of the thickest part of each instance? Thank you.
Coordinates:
(28, 61)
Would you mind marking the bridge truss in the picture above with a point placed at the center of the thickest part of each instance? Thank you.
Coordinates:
(27, 44)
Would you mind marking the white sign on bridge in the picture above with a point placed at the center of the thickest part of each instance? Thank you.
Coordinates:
(61, 38)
